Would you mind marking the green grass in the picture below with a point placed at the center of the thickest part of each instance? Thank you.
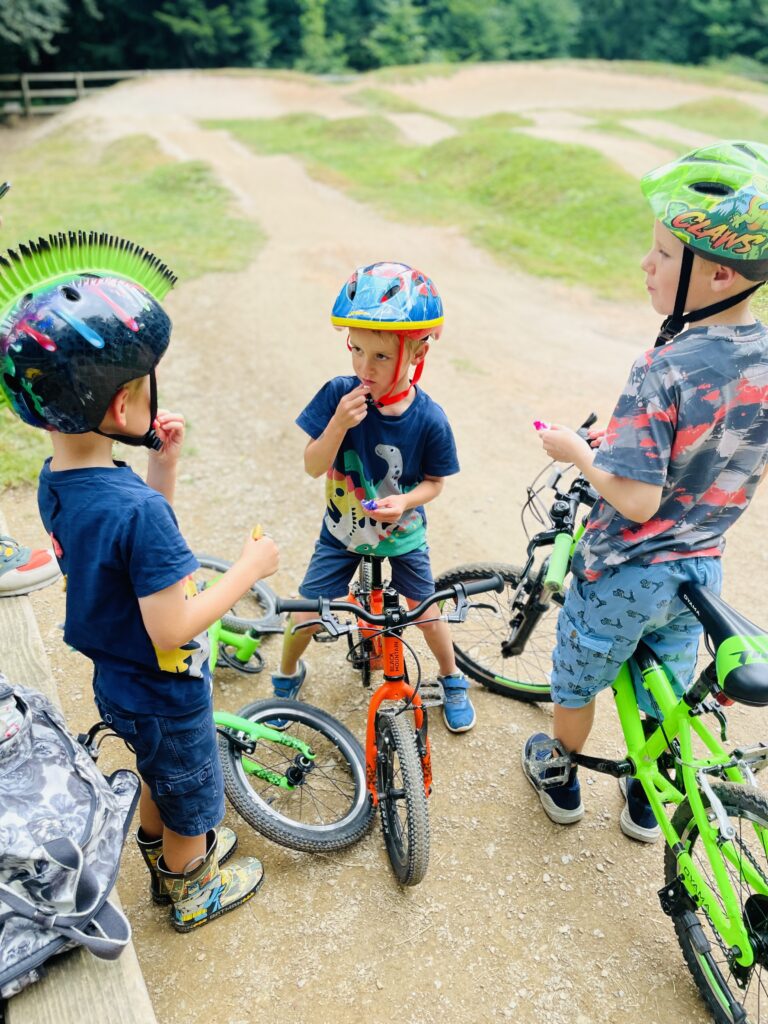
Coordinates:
(386, 102)
(718, 116)
(506, 190)
(130, 188)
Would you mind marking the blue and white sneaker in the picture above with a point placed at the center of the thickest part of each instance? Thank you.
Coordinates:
(458, 713)
(562, 804)
(287, 688)
(637, 819)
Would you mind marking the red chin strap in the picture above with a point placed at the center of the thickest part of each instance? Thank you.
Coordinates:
(389, 398)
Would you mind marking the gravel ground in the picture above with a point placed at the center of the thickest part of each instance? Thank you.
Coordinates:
(517, 919)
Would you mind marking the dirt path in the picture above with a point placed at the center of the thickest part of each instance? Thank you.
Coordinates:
(517, 919)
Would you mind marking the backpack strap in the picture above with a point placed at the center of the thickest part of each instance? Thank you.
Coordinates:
(101, 928)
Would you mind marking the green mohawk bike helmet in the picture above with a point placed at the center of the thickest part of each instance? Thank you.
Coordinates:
(80, 317)
(715, 200)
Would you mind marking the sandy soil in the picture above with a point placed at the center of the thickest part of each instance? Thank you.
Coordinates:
(517, 919)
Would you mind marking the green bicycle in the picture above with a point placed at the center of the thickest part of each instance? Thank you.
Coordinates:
(716, 858)
(302, 786)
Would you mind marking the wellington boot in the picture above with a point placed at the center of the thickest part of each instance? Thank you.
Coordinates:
(206, 891)
(152, 848)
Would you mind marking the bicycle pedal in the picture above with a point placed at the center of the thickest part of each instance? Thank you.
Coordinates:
(540, 761)
(431, 695)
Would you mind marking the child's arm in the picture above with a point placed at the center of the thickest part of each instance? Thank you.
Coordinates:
(633, 499)
(321, 451)
(392, 507)
(172, 621)
(163, 465)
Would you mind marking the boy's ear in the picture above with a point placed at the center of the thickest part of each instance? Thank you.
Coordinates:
(723, 277)
(420, 354)
(117, 410)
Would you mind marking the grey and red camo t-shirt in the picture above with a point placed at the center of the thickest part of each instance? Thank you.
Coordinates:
(693, 418)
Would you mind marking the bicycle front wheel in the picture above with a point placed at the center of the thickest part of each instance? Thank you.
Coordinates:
(733, 994)
(402, 799)
(256, 610)
(477, 642)
(329, 808)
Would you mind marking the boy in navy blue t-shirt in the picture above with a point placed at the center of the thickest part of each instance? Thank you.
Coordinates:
(377, 437)
(78, 357)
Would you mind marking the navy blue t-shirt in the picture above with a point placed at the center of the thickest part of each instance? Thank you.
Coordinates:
(381, 456)
(117, 540)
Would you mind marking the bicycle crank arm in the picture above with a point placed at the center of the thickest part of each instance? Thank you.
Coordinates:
(619, 769)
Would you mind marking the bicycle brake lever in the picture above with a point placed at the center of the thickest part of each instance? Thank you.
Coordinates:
(327, 620)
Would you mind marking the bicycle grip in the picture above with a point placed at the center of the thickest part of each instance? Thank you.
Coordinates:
(558, 563)
(494, 582)
(301, 604)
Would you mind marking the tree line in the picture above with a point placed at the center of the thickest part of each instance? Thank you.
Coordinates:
(334, 36)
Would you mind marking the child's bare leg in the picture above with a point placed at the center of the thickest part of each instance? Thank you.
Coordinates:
(149, 816)
(572, 726)
(181, 853)
(178, 850)
(438, 638)
(294, 644)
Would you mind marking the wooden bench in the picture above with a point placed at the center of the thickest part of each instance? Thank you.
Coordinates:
(79, 987)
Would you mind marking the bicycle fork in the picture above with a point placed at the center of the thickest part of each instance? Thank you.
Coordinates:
(396, 690)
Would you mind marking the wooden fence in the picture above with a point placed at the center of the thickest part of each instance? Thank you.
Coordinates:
(45, 92)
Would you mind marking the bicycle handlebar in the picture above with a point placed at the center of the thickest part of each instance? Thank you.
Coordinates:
(460, 591)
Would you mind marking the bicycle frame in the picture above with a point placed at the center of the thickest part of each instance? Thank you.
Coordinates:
(680, 722)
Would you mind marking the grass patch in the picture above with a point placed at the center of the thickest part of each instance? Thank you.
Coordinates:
(718, 116)
(129, 188)
(380, 100)
(719, 75)
(506, 190)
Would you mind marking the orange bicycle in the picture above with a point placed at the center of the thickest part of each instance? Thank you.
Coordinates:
(397, 751)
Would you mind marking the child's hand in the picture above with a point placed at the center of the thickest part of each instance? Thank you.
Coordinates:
(564, 445)
(595, 437)
(389, 509)
(352, 409)
(169, 427)
(261, 556)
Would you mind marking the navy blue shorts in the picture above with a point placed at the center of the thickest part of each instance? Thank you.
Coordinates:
(332, 567)
(178, 758)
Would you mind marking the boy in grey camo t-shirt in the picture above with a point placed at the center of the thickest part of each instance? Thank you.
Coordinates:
(680, 459)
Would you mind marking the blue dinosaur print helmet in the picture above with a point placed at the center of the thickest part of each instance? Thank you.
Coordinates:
(390, 297)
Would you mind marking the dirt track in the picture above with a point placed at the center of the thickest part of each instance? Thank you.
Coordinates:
(517, 919)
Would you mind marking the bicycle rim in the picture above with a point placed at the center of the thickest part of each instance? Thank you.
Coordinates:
(402, 799)
(256, 610)
(330, 809)
(477, 641)
(717, 976)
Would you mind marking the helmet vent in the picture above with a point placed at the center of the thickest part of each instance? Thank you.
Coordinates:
(391, 291)
(352, 287)
(70, 293)
(712, 188)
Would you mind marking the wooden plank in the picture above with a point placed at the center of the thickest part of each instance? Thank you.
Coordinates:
(78, 987)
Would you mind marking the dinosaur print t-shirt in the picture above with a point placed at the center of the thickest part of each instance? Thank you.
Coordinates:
(381, 456)
(116, 540)
(693, 419)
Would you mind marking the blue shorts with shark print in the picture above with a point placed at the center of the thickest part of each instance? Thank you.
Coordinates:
(601, 623)
(332, 567)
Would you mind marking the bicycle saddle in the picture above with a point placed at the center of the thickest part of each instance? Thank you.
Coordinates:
(741, 647)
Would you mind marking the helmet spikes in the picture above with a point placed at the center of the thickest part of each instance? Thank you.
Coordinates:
(69, 254)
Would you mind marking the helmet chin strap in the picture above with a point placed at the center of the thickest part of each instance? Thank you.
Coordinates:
(389, 398)
(675, 322)
(150, 439)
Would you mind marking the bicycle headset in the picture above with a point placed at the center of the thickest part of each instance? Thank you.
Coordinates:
(715, 200)
(80, 317)
(396, 298)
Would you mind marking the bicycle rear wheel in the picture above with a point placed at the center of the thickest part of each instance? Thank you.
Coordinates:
(256, 610)
(477, 641)
(402, 799)
(734, 995)
(330, 807)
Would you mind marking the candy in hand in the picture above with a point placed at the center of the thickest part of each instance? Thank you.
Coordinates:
(540, 425)
(257, 533)
(369, 504)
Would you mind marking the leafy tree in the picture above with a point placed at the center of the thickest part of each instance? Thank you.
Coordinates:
(319, 52)
(398, 35)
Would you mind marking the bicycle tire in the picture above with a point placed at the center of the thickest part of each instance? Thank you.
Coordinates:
(401, 787)
(263, 618)
(331, 810)
(477, 641)
(712, 971)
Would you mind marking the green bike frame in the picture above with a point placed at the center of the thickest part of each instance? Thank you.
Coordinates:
(255, 731)
(681, 723)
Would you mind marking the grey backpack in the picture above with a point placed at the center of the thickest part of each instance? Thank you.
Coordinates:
(62, 828)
